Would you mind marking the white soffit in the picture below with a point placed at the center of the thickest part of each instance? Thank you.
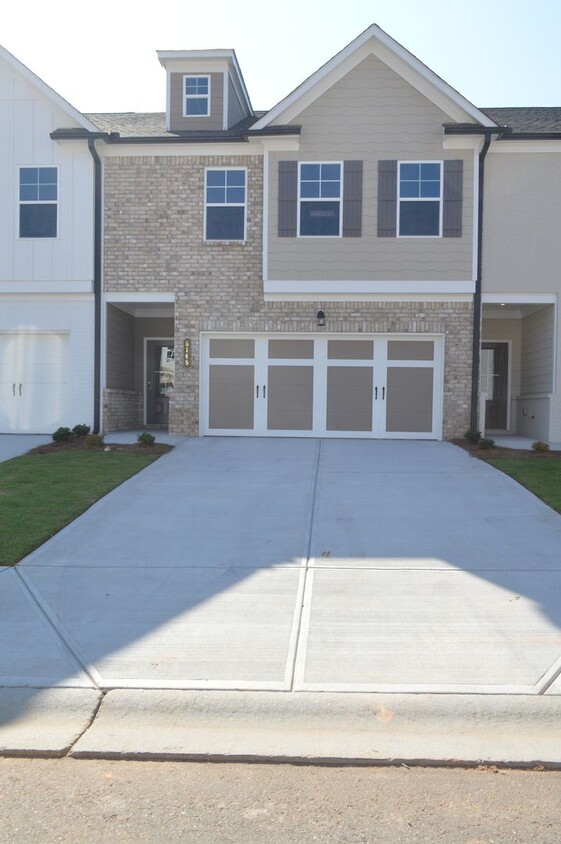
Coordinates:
(374, 41)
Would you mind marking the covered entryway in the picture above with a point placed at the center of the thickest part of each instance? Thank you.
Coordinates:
(333, 386)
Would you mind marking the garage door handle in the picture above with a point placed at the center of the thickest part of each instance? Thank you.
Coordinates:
(375, 393)
(383, 393)
(264, 391)
(257, 392)
(20, 389)
(14, 388)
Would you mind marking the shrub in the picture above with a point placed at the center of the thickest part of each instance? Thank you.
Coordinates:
(540, 447)
(93, 441)
(62, 435)
(81, 430)
(146, 439)
(472, 436)
(486, 443)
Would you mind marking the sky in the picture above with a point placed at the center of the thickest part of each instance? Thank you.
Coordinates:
(101, 56)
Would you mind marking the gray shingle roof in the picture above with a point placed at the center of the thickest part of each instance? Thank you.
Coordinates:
(528, 119)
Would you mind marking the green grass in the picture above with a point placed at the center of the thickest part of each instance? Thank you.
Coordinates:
(41, 493)
(540, 476)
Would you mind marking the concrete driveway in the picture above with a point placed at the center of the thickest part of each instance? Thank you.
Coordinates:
(296, 565)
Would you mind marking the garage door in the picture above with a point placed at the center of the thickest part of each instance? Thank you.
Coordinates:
(336, 386)
(33, 381)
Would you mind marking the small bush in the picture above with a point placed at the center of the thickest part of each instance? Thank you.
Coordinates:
(93, 441)
(81, 430)
(485, 443)
(540, 447)
(146, 439)
(62, 435)
(472, 436)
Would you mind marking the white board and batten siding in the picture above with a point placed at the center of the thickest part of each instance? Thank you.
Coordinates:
(27, 117)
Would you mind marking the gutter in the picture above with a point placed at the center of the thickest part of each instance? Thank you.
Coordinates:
(475, 363)
(97, 283)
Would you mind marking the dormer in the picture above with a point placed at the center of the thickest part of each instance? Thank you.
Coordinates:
(205, 90)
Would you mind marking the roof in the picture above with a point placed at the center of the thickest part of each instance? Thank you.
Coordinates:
(536, 119)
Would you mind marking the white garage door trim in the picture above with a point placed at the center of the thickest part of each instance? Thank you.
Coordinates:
(256, 369)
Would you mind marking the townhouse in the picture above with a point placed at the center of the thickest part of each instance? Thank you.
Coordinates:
(373, 257)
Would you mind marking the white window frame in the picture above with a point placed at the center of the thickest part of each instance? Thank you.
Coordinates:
(21, 202)
(319, 199)
(196, 96)
(225, 205)
(421, 199)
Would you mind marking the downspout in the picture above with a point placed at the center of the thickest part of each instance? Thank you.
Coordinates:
(97, 283)
(477, 295)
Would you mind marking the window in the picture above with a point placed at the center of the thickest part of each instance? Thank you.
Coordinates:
(225, 204)
(197, 96)
(320, 200)
(38, 201)
(420, 194)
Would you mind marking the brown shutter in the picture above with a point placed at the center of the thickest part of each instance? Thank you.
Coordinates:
(352, 199)
(387, 198)
(288, 198)
(452, 198)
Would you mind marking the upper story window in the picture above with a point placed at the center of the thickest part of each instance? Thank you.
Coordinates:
(197, 96)
(319, 195)
(38, 201)
(225, 203)
(420, 199)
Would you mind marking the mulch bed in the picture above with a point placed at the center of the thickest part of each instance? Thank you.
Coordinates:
(498, 452)
(78, 445)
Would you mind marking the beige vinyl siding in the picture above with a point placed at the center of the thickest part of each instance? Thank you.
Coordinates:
(178, 123)
(537, 352)
(521, 243)
(235, 109)
(370, 115)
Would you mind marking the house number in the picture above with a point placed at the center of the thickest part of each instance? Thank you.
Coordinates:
(186, 353)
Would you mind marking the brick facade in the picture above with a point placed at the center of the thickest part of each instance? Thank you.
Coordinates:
(154, 207)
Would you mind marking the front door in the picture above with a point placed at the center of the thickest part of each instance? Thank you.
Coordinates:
(494, 383)
(334, 386)
(160, 380)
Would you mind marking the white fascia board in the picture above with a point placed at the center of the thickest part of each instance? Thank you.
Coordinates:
(139, 297)
(45, 89)
(167, 149)
(376, 41)
(519, 298)
(327, 289)
(51, 287)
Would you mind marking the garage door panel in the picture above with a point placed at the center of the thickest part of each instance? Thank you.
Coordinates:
(231, 397)
(290, 398)
(349, 398)
(409, 399)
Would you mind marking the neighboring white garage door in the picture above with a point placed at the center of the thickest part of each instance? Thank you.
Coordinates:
(337, 386)
(33, 381)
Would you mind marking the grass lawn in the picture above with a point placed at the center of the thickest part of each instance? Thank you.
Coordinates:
(541, 476)
(41, 493)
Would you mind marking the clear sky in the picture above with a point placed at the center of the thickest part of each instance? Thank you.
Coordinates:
(101, 56)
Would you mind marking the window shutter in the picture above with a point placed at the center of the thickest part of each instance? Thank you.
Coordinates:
(452, 199)
(387, 198)
(288, 198)
(352, 199)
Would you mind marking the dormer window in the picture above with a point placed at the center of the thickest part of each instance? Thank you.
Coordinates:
(197, 96)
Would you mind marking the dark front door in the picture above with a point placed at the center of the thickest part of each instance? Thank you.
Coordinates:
(160, 369)
(494, 382)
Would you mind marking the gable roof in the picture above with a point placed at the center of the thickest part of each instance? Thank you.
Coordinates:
(375, 40)
(52, 95)
(536, 119)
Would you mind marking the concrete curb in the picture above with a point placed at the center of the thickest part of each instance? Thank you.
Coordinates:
(513, 730)
(44, 722)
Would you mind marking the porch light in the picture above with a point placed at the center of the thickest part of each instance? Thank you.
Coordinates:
(320, 319)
